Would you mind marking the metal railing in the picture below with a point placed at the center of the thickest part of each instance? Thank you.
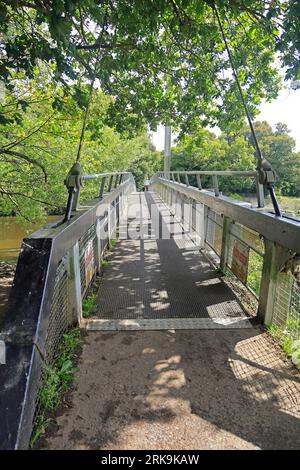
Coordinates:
(107, 183)
(55, 269)
(214, 175)
(250, 244)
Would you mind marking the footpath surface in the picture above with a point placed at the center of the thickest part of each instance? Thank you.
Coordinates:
(199, 389)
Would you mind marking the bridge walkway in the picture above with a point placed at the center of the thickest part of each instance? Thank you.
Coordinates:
(184, 385)
(157, 277)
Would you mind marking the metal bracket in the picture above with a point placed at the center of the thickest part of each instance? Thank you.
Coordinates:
(267, 177)
(73, 183)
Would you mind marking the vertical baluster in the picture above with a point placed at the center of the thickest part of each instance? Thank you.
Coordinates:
(216, 185)
(102, 186)
(199, 182)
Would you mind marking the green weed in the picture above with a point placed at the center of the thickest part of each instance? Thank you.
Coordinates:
(56, 381)
(283, 335)
(112, 243)
(89, 305)
(40, 425)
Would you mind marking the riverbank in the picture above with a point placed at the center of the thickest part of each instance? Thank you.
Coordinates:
(7, 272)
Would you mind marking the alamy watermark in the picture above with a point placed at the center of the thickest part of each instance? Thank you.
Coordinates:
(150, 221)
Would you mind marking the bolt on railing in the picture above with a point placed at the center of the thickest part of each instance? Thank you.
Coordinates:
(176, 175)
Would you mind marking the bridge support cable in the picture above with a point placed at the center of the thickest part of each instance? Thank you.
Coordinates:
(73, 181)
(265, 170)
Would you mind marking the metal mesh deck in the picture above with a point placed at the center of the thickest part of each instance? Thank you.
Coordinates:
(161, 278)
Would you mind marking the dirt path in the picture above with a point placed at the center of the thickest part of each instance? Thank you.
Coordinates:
(200, 389)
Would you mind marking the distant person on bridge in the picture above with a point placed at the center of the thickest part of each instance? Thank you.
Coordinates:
(146, 184)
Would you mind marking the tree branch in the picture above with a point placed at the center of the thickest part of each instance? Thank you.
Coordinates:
(26, 158)
(17, 142)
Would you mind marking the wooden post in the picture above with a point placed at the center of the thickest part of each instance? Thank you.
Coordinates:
(75, 285)
(225, 243)
(203, 224)
(274, 259)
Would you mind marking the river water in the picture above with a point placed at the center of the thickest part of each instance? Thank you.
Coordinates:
(12, 234)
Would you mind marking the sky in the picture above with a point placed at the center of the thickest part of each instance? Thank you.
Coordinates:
(286, 109)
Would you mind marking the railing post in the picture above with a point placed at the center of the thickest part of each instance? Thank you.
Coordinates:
(216, 185)
(102, 187)
(110, 183)
(260, 193)
(187, 180)
(274, 259)
(190, 214)
(178, 178)
(225, 243)
(98, 245)
(203, 224)
(199, 182)
(75, 285)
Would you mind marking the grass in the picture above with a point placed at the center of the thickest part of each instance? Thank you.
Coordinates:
(89, 305)
(284, 340)
(290, 204)
(112, 243)
(56, 381)
(285, 335)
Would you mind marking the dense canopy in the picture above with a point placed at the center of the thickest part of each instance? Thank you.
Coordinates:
(153, 61)
(160, 60)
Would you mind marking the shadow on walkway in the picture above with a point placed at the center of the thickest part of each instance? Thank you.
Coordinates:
(181, 390)
(162, 277)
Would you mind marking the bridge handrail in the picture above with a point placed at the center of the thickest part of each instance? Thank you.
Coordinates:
(170, 175)
(233, 233)
(107, 179)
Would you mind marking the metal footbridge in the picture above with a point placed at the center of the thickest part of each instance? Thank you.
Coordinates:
(185, 257)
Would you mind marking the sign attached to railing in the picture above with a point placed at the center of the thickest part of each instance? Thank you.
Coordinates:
(240, 259)
(89, 264)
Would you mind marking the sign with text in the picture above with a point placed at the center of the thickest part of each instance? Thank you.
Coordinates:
(240, 258)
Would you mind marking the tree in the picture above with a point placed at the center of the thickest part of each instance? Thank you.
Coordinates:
(160, 60)
(39, 149)
(153, 60)
(279, 148)
(204, 151)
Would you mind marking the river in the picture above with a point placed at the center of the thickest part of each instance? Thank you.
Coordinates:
(12, 233)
